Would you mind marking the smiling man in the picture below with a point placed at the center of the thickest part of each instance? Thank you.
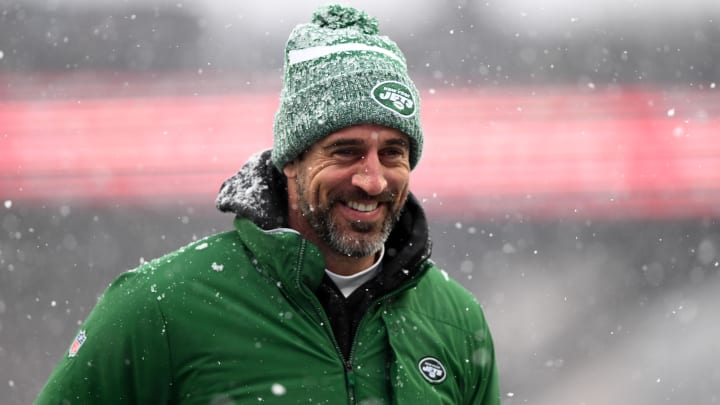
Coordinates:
(324, 292)
(347, 191)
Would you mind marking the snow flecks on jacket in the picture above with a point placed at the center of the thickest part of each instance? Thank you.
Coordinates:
(482, 357)
(246, 188)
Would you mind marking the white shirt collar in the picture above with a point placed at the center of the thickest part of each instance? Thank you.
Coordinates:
(348, 284)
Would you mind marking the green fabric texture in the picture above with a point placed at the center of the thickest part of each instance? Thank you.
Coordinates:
(340, 72)
(232, 319)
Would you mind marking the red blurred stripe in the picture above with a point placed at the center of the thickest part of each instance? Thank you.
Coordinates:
(638, 152)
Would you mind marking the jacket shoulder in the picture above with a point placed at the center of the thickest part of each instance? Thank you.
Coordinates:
(122, 349)
(439, 296)
(209, 253)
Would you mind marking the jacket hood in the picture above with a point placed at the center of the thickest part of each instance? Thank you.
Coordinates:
(257, 192)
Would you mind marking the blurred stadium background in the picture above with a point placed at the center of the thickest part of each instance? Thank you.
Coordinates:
(572, 171)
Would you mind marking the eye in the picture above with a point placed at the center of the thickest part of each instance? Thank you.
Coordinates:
(394, 153)
(346, 153)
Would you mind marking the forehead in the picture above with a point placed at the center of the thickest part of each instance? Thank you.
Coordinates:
(365, 134)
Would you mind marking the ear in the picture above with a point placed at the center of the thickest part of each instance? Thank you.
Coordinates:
(291, 169)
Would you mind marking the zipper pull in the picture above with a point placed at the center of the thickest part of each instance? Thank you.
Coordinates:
(350, 378)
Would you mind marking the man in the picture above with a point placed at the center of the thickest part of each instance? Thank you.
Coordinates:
(324, 292)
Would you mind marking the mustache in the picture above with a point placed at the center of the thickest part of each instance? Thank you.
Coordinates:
(386, 196)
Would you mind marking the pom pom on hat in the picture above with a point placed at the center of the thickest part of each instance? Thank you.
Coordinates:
(338, 73)
(335, 16)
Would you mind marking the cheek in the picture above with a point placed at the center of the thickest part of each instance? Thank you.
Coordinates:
(402, 196)
(330, 181)
(317, 189)
(401, 188)
(399, 180)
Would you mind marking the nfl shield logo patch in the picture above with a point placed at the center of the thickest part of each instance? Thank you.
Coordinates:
(77, 343)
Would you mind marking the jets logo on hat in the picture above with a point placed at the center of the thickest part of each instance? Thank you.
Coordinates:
(77, 343)
(394, 96)
(432, 370)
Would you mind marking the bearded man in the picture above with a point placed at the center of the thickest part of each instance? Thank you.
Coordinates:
(324, 292)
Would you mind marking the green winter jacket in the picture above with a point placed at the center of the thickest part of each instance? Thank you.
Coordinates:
(244, 317)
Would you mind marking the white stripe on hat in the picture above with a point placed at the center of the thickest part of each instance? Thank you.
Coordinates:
(303, 55)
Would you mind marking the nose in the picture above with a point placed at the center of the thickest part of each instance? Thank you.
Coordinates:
(370, 175)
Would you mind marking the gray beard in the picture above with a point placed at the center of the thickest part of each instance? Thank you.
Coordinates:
(320, 219)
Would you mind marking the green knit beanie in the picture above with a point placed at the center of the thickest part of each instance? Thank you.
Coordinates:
(338, 73)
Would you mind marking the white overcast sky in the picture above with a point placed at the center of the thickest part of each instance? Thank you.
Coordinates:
(544, 13)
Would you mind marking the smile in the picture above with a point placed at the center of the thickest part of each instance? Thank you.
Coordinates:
(362, 207)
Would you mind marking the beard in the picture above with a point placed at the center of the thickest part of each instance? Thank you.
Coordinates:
(363, 238)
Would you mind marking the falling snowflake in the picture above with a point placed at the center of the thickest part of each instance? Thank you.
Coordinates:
(278, 389)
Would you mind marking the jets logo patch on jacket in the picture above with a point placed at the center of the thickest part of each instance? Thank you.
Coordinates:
(432, 370)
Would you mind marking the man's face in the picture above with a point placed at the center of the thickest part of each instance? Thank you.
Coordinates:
(350, 187)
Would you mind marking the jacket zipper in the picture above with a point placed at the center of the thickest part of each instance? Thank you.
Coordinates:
(348, 365)
(325, 322)
(378, 302)
(320, 317)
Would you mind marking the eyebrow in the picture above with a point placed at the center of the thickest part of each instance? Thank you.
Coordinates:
(344, 142)
(398, 142)
(358, 142)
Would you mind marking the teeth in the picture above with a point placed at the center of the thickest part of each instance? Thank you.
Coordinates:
(362, 207)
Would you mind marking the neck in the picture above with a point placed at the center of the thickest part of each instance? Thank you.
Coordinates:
(346, 265)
